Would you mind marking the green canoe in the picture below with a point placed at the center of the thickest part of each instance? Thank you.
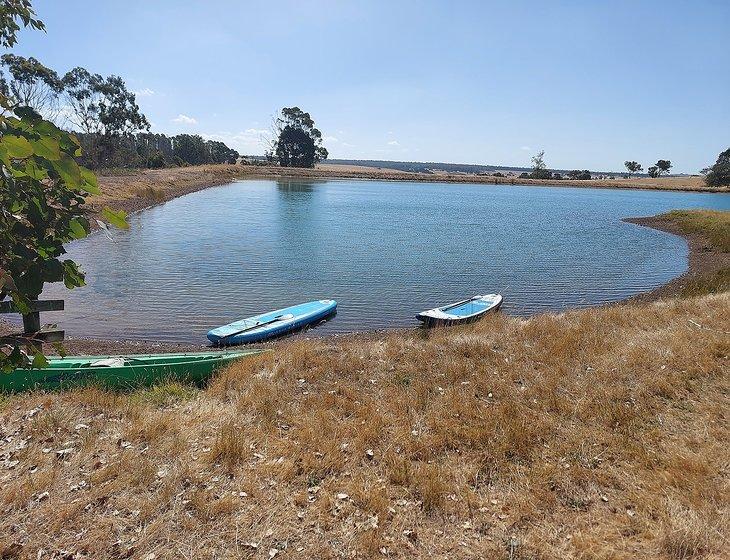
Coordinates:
(118, 372)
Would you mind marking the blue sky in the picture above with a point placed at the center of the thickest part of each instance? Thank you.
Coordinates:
(593, 83)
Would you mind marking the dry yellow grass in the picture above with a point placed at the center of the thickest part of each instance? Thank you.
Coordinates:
(714, 225)
(591, 434)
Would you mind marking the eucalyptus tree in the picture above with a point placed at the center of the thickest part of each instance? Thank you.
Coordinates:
(633, 167)
(13, 14)
(539, 168)
(31, 84)
(663, 166)
(220, 153)
(719, 174)
(103, 108)
(297, 141)
(190, 148)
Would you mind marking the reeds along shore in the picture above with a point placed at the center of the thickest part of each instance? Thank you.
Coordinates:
(598, 433)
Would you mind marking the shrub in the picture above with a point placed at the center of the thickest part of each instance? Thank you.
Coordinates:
(719, 174)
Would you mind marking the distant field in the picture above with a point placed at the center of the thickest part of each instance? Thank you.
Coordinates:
(687, 183)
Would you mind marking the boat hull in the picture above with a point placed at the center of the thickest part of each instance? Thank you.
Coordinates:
(298, 317)
(461, 313)
(139, 370)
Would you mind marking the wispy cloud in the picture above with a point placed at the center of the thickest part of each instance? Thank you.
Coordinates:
(247, 141)
(144, 92)
(331, 139)
(525, 148)
(184, 119)
(394, 143)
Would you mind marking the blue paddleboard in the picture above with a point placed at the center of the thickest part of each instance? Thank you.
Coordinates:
(272, 324)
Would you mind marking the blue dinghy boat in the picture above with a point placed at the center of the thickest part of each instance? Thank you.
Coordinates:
(464, 311)
(272, 324)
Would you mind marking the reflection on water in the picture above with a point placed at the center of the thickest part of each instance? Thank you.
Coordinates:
(294, 186)
(384, 250)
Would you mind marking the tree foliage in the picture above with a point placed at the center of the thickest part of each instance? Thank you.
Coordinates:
(103, 108)
(653, 171)
(539, 168)
(298, 143)
(13, 14)
(42, 191)
(31, 84)
(220, 153)
(580, 175)
(42, 195)
(663, 166)
(719, 174)
(108, 122)
(633, 167)
(190, 148)
(194, 150)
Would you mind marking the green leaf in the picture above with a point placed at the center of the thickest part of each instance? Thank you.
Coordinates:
(39, 361)
(69, 171)
(46, 128)
(17, 146)
(27, 114)
(72, 276)
(91, 185)
(47, 147)
(118, 218)
(4, 157)
(34, 171)
(78, 230)
(59, 347)
(20, 302)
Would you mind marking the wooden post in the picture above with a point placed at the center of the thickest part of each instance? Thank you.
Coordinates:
(32, 334)
(31, 322)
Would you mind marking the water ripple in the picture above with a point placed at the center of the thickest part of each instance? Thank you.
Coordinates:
(384, 250)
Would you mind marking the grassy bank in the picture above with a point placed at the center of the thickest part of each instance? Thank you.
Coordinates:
(708, 235)
(714, 225)
(598, 433)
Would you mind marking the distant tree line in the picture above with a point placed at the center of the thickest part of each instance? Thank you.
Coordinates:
(540, 171)
(657, 170)
(109, 124)
(152, 150)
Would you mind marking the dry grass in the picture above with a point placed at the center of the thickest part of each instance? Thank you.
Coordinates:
(712, 283)
(592, 434)
(714, 225)
(151, 193)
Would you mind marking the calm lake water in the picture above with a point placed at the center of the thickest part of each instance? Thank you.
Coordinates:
(383, 250)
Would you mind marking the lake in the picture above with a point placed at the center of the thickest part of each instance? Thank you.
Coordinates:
(383, 250)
